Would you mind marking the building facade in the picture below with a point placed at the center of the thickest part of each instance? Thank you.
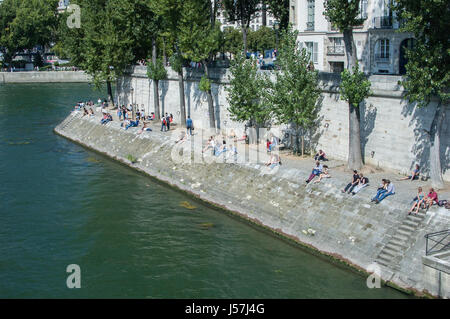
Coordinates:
(255, 23)
(379, 45)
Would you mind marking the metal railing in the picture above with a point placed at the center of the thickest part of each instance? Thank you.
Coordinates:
(437, 242)
(335, 50)
(309, 26)
(383, 22)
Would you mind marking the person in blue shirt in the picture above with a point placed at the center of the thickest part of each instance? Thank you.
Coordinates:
(189, 125)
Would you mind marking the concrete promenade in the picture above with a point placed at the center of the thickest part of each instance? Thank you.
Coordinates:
(380, 238)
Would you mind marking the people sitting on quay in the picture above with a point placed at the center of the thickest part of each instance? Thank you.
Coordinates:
(315, 172)
(350, 186)
(145, 128)
(183, 137)
(362, 182)
(131, 124)
(325, 174)
(418, 201)
(320, 156)
(431, 199)
(85, 112)
(275, 160)
(415, 174)
(386, 189)
(91, 112)
(210, 144)
(222, 148)
(106, 118)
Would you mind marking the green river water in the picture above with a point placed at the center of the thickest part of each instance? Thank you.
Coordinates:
(62, 204)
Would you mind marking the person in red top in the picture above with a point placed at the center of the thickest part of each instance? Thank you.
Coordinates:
(430, 198)
(268, 145)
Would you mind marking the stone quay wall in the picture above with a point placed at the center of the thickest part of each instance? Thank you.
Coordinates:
(44, 77)
(393, 132)
(374, 238)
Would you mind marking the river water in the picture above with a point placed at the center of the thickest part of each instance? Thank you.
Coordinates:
(132, 237)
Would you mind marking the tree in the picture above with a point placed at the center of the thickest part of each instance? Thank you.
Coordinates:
(157, 72)
(170, 11)
(261, 39)
(245, 92)
(241, 11)
(25, 24)
(355, 88)
(199, 41)
(103, 46)
(345, 15)
(428, 68)
(233, 41)
(295, 92)
(280, 11)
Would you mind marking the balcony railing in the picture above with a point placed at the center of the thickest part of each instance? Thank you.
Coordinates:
(310, 26)
(382, 57)
(335, 50)
(383, 22)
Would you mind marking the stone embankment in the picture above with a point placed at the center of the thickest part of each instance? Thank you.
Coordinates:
(44, 77)
(380, 238)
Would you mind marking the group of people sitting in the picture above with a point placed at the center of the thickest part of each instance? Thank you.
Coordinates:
(106, 118)
(358, 182)
(218, 147)
(88, 113)
(319, 170)
(422, 201)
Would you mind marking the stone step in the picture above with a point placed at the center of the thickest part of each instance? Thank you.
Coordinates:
(382, 262)
(407, 228)
(400, 237)
(411, 223)
(398, 243)
(406, 233)
(384, 257)
(416, 218)
(389, 252)
(392, 250)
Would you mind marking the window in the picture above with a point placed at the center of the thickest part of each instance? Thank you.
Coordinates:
(383, 50)
(312, 49)
(336, 46)
(363, 4)
(311, 12)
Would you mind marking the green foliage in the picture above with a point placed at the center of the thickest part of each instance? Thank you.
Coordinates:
(355, 87)
(156, 71)
(199, 39)
(25, 24)
(262, 39)
(242, 11)
(280, 10)
(176, 62)
(245, 92)
(343, 14)
(132, 158)
(233, 40)
(205, 84)
(294, 94)
(428, 67)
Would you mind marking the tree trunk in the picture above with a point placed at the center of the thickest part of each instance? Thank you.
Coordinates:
(350, 49)
(212, 115)
(155, 82)
(435, 147)
(110, 95)
(164, 52)
(354, 138)
(244, 38)
(354, 145)
(264, 15)
(181, 89)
